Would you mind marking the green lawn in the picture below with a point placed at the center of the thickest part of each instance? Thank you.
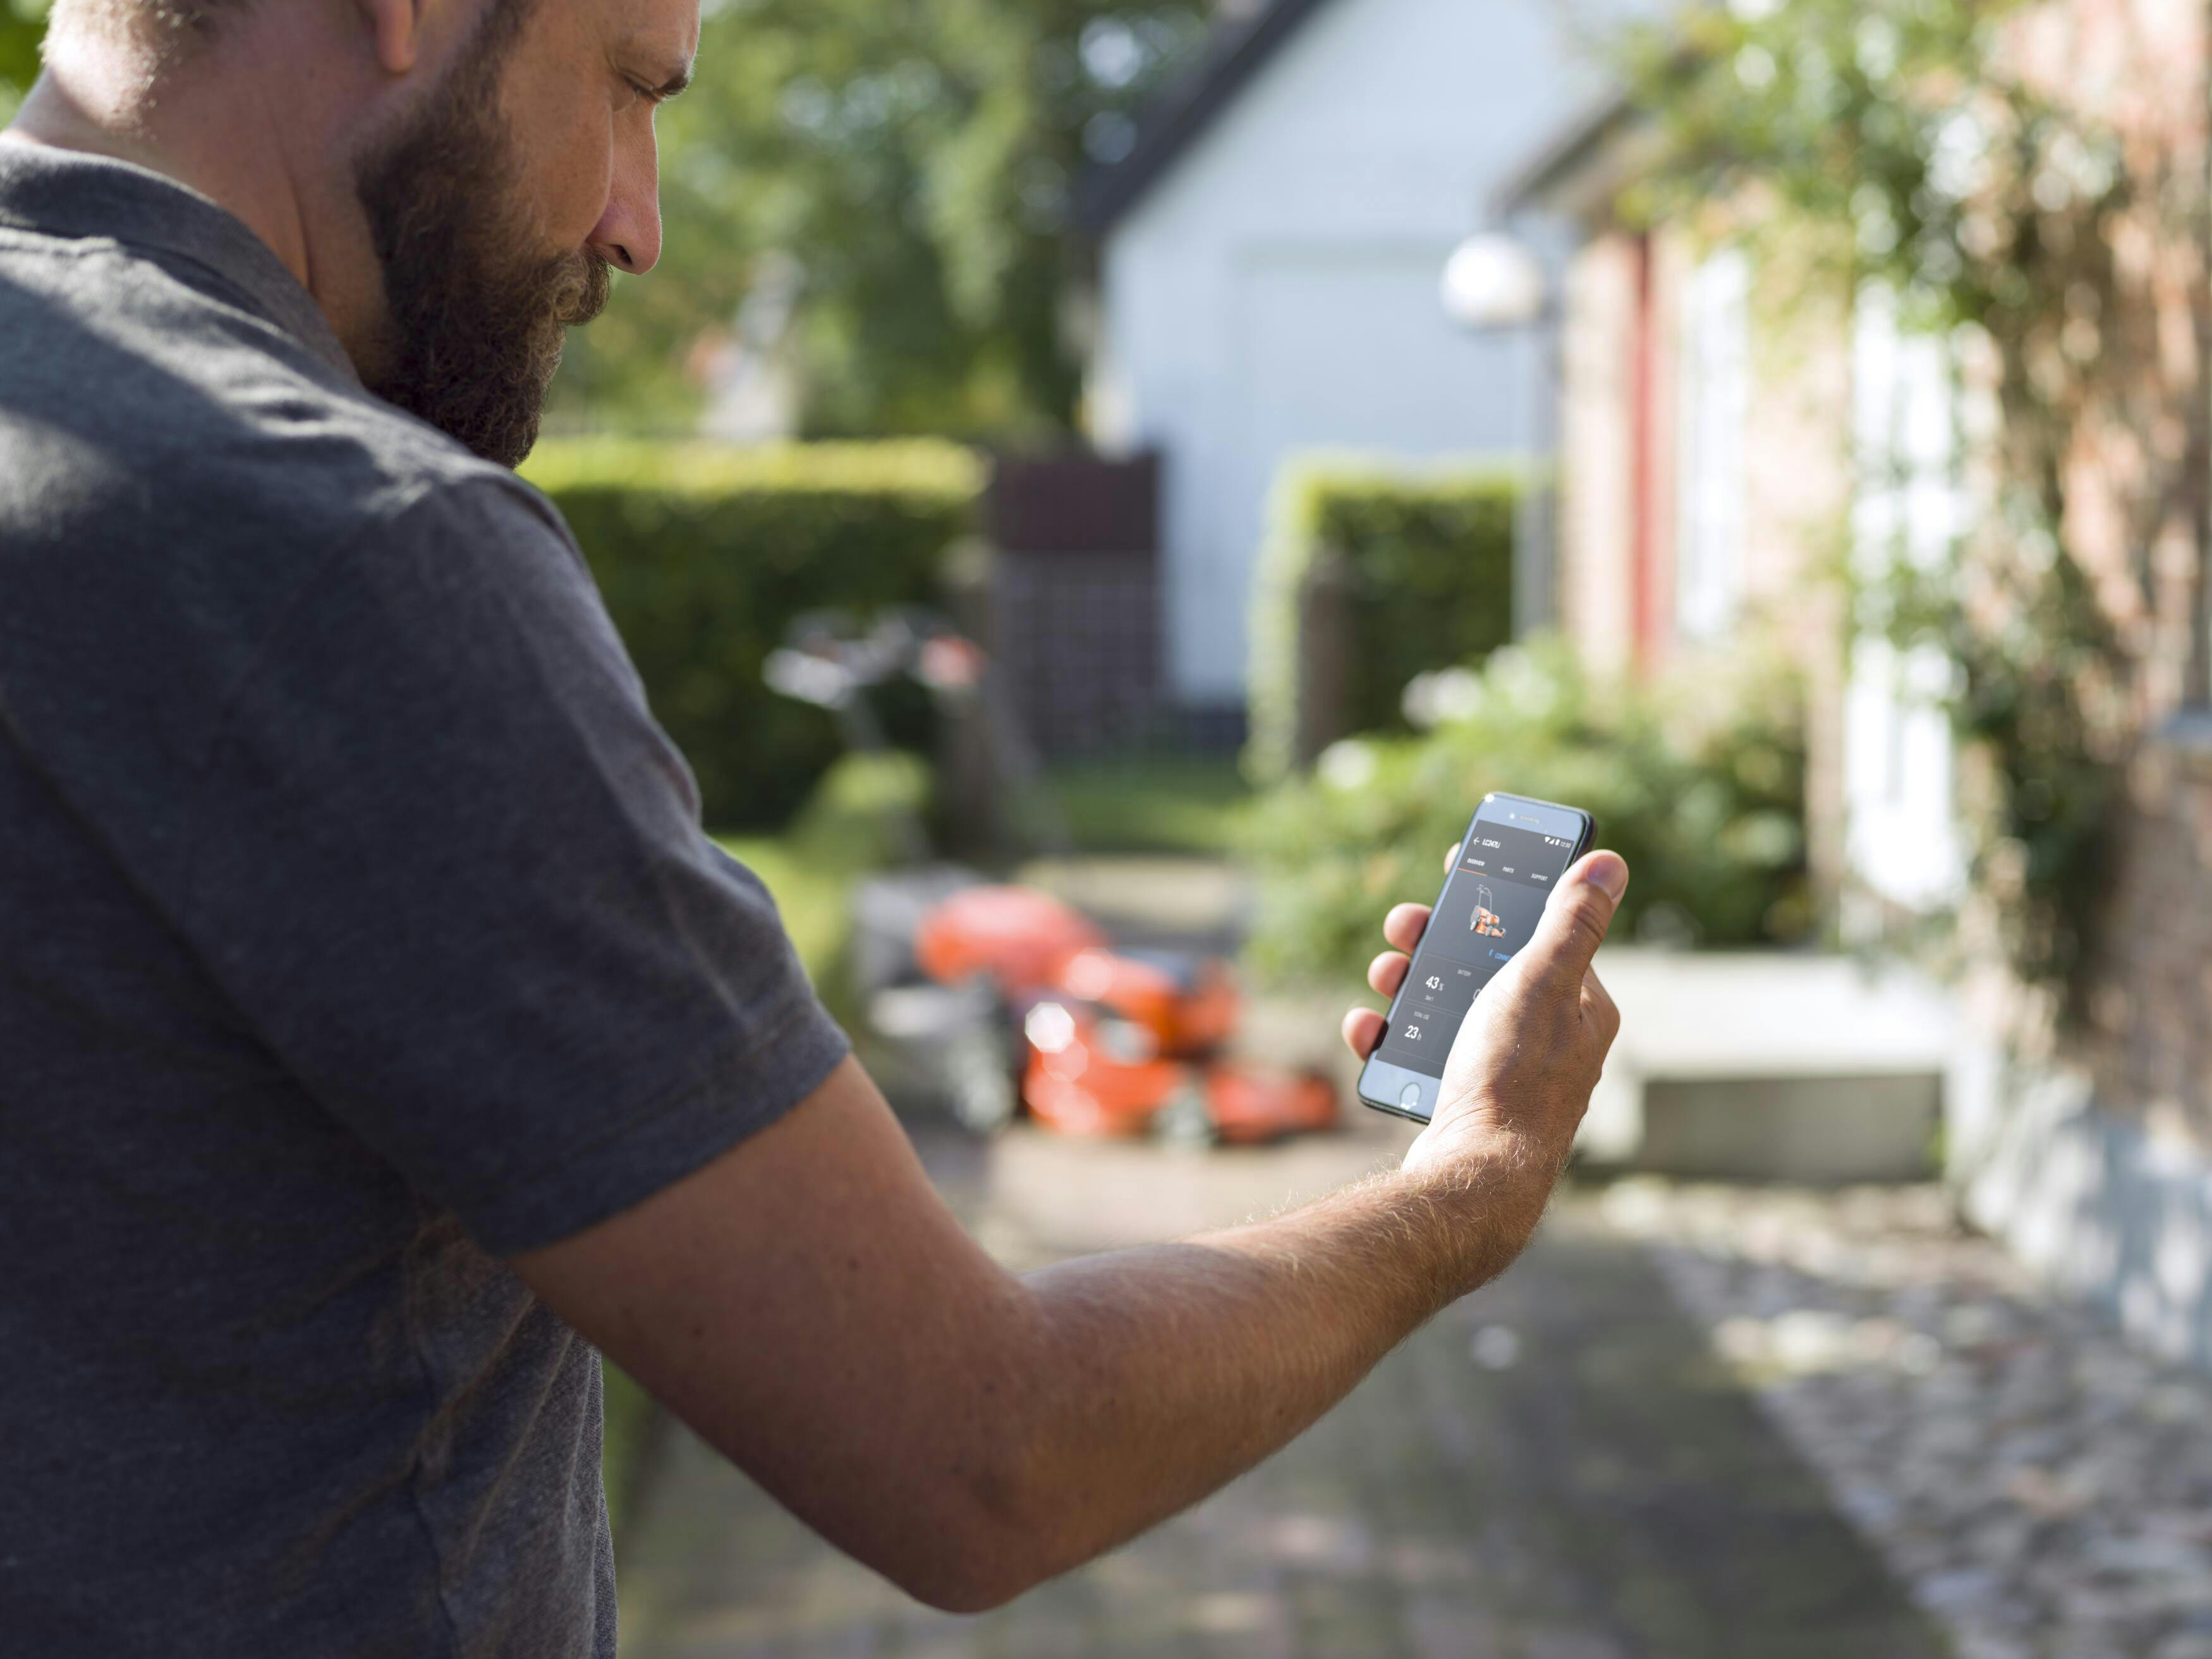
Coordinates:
(1193, 805)
(812, 893)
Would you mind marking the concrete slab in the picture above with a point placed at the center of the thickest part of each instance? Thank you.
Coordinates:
(1771, 1066)
(1771, 1014)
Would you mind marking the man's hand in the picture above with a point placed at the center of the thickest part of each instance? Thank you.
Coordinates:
(1519, 1075)
(808, 1304)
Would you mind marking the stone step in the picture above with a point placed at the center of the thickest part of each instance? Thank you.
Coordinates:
(1756, 1065)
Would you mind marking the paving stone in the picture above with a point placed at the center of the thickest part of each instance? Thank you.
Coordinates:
(2046, 1492)
(1612, 1493)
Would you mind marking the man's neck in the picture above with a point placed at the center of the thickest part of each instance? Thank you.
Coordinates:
(223, 135)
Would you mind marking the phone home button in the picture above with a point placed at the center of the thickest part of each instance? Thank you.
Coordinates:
(1410, 1098)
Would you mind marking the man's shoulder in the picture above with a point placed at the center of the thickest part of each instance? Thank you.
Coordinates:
(184, 485)
(178, 411)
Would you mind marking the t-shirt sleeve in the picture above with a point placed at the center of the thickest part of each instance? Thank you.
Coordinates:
(453, 875)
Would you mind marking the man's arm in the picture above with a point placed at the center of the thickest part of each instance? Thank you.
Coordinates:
(808, 1304)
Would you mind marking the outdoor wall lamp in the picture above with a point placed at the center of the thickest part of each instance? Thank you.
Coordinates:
(1493, 280)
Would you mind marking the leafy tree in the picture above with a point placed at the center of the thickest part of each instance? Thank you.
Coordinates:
(918, 160)
(1927, 147)
(22, 23)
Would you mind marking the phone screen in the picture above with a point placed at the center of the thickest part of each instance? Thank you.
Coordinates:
(1488, 910)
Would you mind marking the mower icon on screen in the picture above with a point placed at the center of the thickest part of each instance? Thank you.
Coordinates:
(1484, 921)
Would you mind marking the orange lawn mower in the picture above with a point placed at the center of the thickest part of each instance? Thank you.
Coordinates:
(1000, 999)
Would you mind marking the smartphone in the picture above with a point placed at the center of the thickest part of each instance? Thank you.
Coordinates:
(1515, 852)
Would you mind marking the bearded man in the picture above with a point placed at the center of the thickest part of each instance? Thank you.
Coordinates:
(378, 1032)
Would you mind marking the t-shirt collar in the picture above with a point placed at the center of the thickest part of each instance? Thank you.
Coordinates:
(65, 192)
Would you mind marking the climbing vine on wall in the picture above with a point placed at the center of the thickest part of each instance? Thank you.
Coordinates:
(1923, 150)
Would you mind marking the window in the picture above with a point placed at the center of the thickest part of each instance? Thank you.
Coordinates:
(1715, 388)
(1910, 507)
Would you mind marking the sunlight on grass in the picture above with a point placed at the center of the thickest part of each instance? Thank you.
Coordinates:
(1189, 804)
(812, 893)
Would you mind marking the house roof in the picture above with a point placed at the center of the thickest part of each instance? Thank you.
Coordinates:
(1580, 165)
(1187, 110)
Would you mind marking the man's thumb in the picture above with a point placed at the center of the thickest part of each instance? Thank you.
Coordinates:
(1576, 915)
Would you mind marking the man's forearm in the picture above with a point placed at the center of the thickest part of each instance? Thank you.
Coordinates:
(1161, 1373)
(814, 1310)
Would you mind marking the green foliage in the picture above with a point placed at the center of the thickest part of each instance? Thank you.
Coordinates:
(1424, 561)
(1700, 787)
(706, 554)
(917, 162)
(869, 811)
(625, 1441)
(1893, 126)
(2036, 676)
(1906, 144)
(1152, 803)
(812, 887)
(22, 26)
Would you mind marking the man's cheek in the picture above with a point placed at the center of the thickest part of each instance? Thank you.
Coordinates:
(566, 146)
(584, 182)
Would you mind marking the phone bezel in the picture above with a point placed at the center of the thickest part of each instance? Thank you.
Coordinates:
(1549, 818)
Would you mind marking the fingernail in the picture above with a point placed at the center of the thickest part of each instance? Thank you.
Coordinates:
(1609, 870)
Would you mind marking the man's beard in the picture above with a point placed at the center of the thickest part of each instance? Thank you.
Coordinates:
(474, 318)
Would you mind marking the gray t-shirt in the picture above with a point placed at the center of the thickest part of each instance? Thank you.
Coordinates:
(356, 929)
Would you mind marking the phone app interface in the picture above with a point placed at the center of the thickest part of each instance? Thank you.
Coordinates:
(1488, 911)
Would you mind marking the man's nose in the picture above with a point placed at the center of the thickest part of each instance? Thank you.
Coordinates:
(628, 233)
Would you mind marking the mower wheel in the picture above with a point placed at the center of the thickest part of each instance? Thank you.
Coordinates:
(979, 1086)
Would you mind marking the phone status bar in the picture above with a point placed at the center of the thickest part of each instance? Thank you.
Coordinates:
(1508, 853)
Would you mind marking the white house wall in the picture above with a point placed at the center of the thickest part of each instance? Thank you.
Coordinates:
(1277, 290)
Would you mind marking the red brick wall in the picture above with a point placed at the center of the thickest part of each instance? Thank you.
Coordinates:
(1597, 504)
(2151, 1007)
(2137, 492)
(2138, 516)
(1619, 480)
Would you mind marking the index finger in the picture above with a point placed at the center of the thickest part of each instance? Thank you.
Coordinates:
(1404, 924)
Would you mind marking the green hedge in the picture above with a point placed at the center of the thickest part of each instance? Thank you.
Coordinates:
(1699, 784)
(1424, 561)
(706, 553)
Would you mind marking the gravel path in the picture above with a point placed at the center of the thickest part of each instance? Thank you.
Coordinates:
(2044, 1492)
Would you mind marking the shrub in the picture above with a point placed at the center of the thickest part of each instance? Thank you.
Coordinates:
(1422, 563)
(868, 811)
(1700, 786)
(705, 554)
(628, 1425)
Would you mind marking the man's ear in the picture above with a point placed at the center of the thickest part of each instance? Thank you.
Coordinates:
(396, 28)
